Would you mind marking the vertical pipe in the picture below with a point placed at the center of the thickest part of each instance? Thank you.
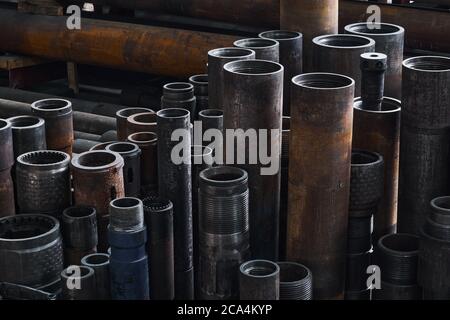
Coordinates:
(312, 19)
(291, 58)
(379, 131)
(373, 66)
(99, 262)
(253, 102)
(259, 280)
(141, 122)
(285, 134)
(425, 138)
(175, 184)
(28, 134)
(265, 49)
(158, 215)
(296, 281)
(121, 120)
(84, 277)
(319, 177)
(6, 163)
(179, 95)
(200, 83)
(217, 58)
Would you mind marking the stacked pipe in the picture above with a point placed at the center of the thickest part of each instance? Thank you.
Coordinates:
(397, 256)
(127, 235)
(6, 163)
(265, 49)
(200, 83)
(99, 262)
(366, 187)
(78, 283)
(180, 95)
(141, 122)
(223, 231)
(121, 120)
(319, 178)
(434, 251)
(425, 138)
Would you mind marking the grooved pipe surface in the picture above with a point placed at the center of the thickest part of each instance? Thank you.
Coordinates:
(223, 231)
(291, 57)
(6, 162)
(28, 134)
(265, 49)
(312, 19)
(141, 122)
(217, 58)
(379, 131)
(389, 39)
(58, 117)
(110, 44)
(296, 281)
(373, 66)
(98, 179)
(259, 280)
(122, 123)
(175, 184)
(340, 53)
(179, 95)
(43, 182)
(321, 128)
(425, 138)
(86, 279)
(99, 262)
(158, 215)
(256, 86)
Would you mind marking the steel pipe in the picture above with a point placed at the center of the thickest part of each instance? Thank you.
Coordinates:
(425, 131)
(389, 39)
(379, 131)
(175, 184)
(28, 134)
(373, 66)
(131, 154)
(179, 95)
(85, 278)
(43, 182)
(285, 134)
(356, 276)
(79, 231)
(256, 86)
(31, 251)
(200, 83)
(321, 128)
(81, 145)
(265, 49)
(58, 117)
(312, 19)
(158, 215)
(291, 58)
(6, 163)
(217, 58)
(147, 142)
(141, 122)
(296, 281)
(98, 179)
(121, 120)
(86, 136)
(259, 280)
(345, 48)
(223, 232)
(397, 292)
(99, 262)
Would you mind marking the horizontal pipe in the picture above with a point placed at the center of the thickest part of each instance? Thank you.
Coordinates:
(156, 50)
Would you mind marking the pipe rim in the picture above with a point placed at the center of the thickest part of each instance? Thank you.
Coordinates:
(143, 118)
(340, 81)
(200, 79)
(280, 35)
(437, 204)
(286, 124)
(126, 112)
(239, 175)
(403, 238)
(248, 267)
(61, 159)
(151, 137)
(256, 43)
(231, 53)
(353, 28)
(79, 212)
(391, 105)
(86, 260)
(245, 67)
(211, 113)
(123, 148)
(305, 270)
(436, 64)
(366, 42)
(173, 113)
(157, 204)
(34, 122)
(111, 159)
(52, 106)
(178, 87)
(27, 218)
(101, 146)
(86, 272)
(373, 158)
(126, 203)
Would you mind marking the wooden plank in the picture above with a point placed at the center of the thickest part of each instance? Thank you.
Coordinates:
(10, 62)
(44, 7)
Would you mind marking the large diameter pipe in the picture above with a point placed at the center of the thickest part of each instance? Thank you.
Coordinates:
(175, 184)
(6, 162)
(312, 19)
(256, 86)
(128, 44)
(340, 53)
(379, 131)
(259, 280)
(265, 49)
(425, 131)
(321, 128)
(389, 39)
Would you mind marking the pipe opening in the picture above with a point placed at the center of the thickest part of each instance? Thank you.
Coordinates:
(173, 113)
(231, 53)
(96, 259)
(223, 174)
(428, 63)
(51, 104)
(125, 113)
(25, 226)
(343, 41)
(143, 137)
(96, 159)
(259, 268)
(179, 86)
(256, 43)
(122, 147)
(43, 158)
(364, 157)
(199, 78)
(280, 34)
(125, 202)
(374, 28)
(251, 67)
(400, 242)
(25, 121)
(323, 81)
(441, 203)
(292, 272)
(79, 212)
(143, 118)
(211, 113)
(3, 124)
(156, 204)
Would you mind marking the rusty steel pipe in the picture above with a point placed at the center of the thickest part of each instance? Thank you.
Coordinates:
(141, 122)
(321, 128)
(312, 19)
(98, 179)
(122, 123)
(389, 39)
(379, 131)
(265, 49)
(340, 53)
(217, 58)
(425, 138)
(256, 86)
(130, 46)
(58, 117)
(6, 162)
